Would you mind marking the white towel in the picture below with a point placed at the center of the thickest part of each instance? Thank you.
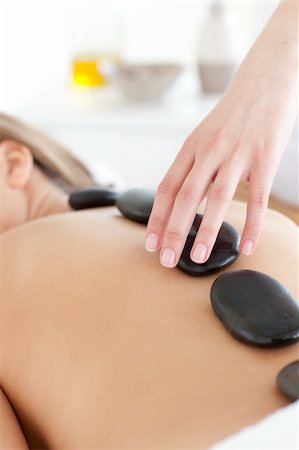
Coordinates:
(278, 431)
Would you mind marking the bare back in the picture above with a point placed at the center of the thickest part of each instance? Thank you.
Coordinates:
(101, 347)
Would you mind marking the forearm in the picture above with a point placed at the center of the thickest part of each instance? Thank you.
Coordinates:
(264, 90)
(276, 49)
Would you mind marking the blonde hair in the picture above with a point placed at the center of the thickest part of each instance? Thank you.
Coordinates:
(58, 163)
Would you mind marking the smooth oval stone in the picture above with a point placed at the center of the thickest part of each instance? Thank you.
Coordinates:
(288, 380)
(224, 253)
(92, 198)
(256, 308)
(136, 204)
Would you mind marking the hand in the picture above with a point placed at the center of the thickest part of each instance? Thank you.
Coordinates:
(242, 139)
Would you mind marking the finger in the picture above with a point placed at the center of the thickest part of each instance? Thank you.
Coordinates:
(258, 197)
(184, 209)
(165, 197)
(219, 198)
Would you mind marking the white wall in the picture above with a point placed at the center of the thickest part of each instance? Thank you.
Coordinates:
(38, 38)
(34, 47)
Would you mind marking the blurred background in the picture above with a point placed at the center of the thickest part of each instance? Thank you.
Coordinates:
(40, 38)
(122, 83)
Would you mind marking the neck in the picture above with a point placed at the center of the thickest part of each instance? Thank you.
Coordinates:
(46, 199)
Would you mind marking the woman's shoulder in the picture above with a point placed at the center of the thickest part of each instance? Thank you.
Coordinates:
(236, 210)
(83, 224)
(89, 227)
(55, 240)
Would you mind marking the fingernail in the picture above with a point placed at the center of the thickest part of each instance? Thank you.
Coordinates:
(247, 247)
(168, 258)
(199, 253)
(151, 243)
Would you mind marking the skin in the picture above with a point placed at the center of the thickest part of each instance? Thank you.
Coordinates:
(242, 139)
(103, 348)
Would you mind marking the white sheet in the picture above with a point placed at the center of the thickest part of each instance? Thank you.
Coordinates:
(278, 431)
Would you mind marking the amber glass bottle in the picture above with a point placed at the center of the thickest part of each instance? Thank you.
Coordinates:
(87, 69)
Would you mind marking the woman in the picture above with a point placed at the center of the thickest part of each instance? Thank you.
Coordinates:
(101, 347)
(44, 165)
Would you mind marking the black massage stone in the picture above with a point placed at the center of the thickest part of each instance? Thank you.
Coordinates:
(256, 308)
(288, 380)
(136, 204)
(92, 198)
(224, 253)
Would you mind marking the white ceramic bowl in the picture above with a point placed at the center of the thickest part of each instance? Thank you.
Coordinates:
(145, 82)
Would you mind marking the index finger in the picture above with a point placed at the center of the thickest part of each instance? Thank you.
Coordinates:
(165, 197)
